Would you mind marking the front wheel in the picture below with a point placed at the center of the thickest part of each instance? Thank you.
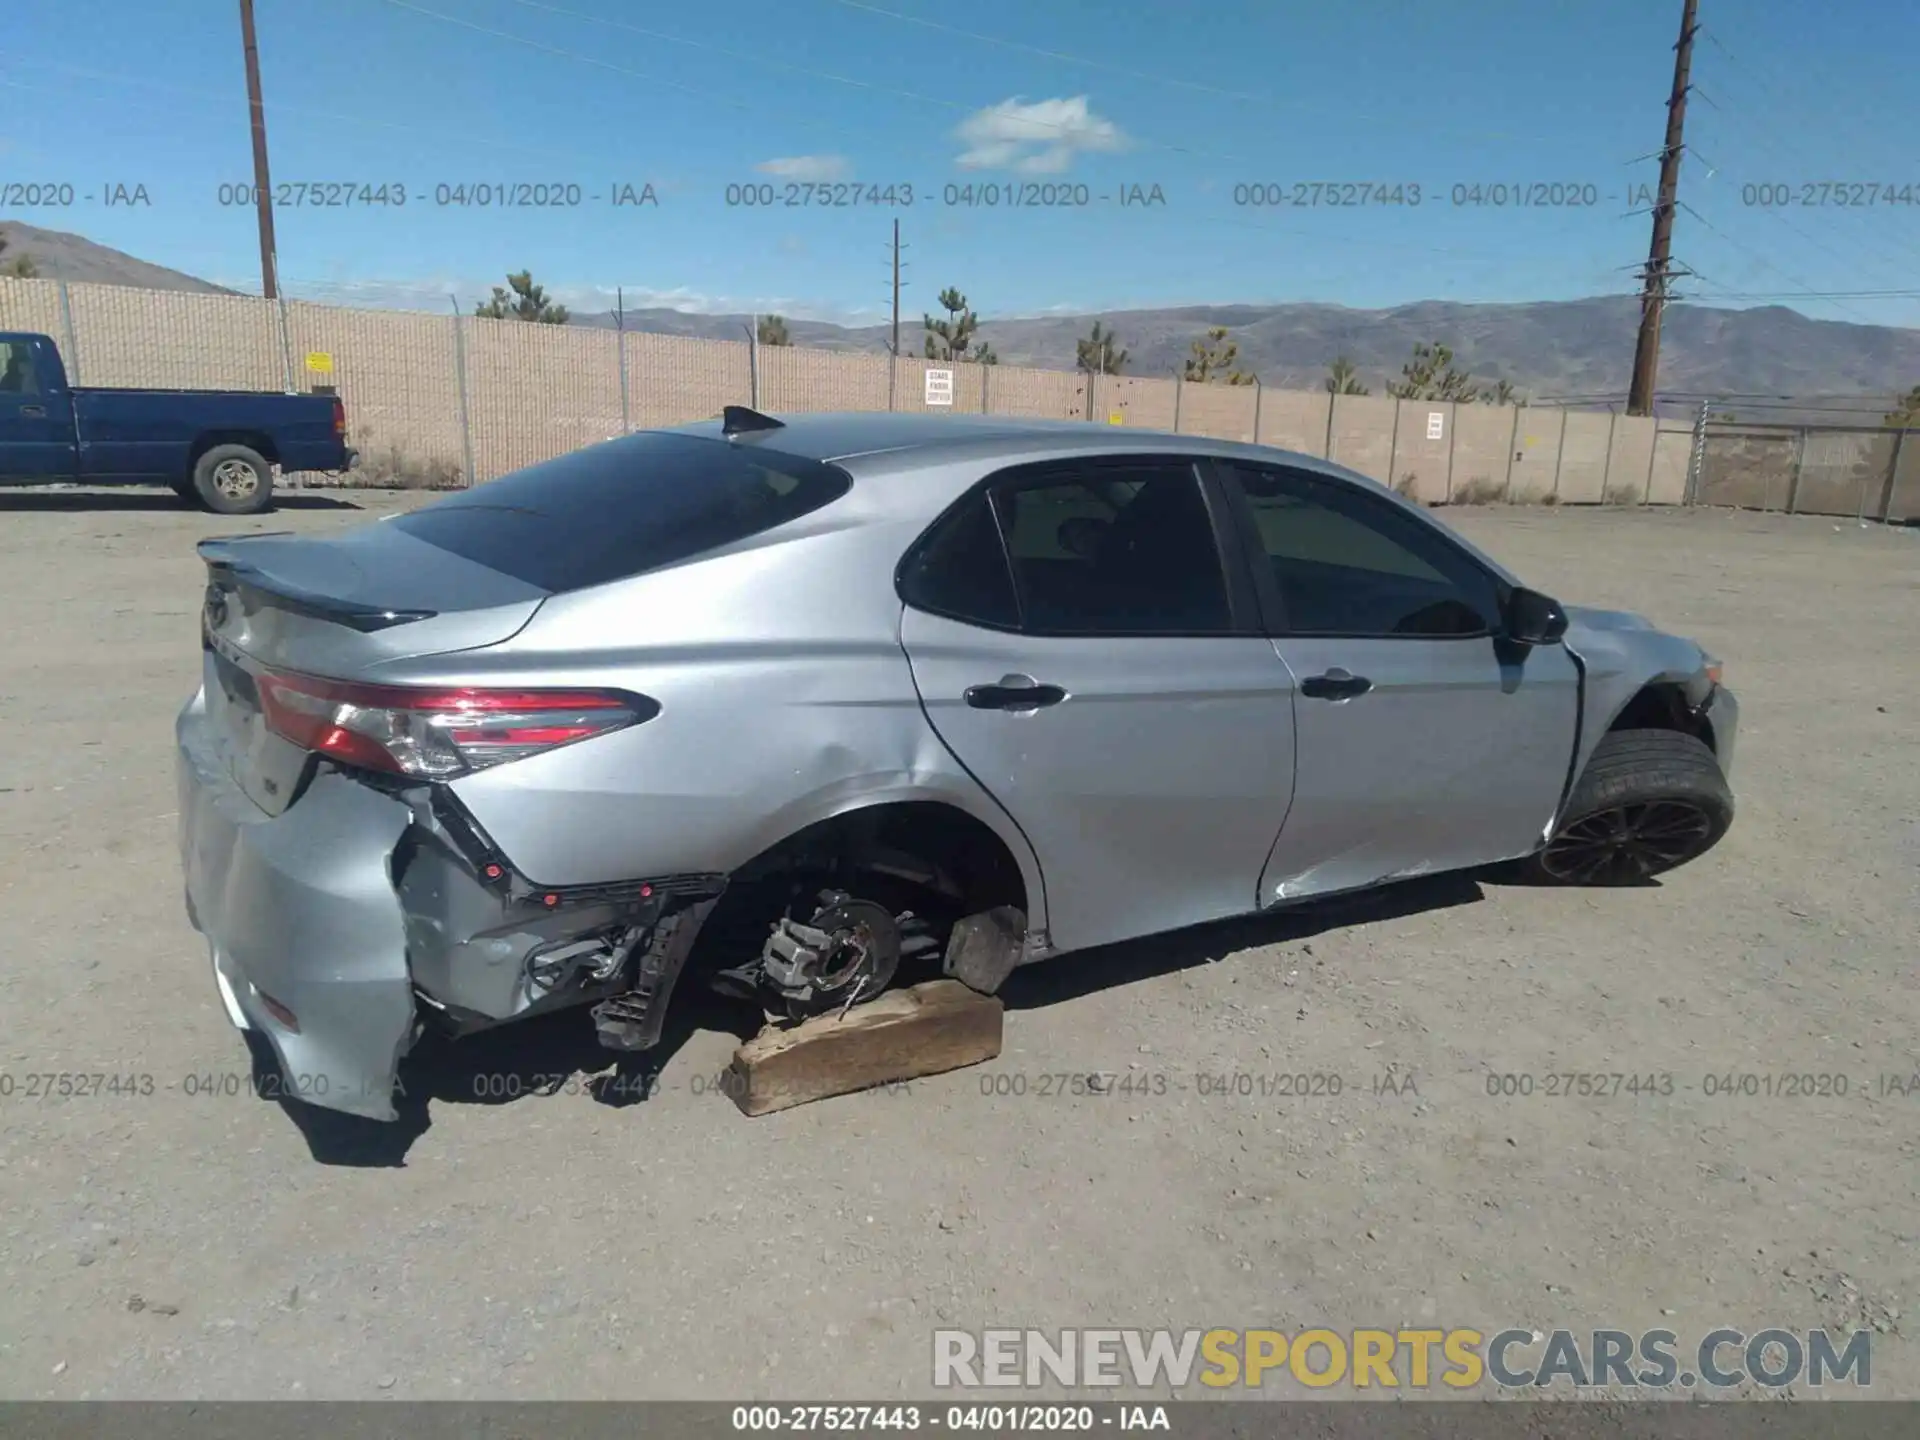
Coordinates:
(233, 480)
(1648, 801)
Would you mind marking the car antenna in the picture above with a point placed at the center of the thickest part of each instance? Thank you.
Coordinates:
(739, 420)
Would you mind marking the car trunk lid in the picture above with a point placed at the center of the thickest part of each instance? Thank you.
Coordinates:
(334, 607)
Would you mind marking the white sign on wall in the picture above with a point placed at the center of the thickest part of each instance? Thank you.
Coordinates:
(939, 387)
(1436, 424)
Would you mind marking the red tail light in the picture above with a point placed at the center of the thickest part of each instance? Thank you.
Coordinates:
(339, 416)
(437, 734)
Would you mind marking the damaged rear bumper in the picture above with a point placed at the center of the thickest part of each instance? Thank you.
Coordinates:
(340, 927)
(305, 933)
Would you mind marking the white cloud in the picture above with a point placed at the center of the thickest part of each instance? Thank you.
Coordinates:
(1042, 138)
(806, 167)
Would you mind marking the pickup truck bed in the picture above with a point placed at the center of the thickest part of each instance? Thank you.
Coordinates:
(216, 447)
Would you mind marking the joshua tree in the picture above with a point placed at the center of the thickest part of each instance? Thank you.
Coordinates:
(525, 301)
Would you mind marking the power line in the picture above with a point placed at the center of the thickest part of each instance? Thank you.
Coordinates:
(1232, 222)
(1792, 143)
(1060, 55)
(771, 63)
(954, 105)
(1126, 72)
(555, 50)
(280, 108)
(1760, 259)
(1813, 294)
(1828, 93)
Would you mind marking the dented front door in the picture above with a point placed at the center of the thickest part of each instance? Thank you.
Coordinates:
(1454, 755)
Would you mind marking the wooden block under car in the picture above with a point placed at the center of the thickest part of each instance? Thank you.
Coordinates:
(931, 1028)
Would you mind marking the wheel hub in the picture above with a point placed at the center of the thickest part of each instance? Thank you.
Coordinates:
(1628, 843)
(235, 479)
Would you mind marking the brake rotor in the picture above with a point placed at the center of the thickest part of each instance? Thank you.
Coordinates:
(857, 962)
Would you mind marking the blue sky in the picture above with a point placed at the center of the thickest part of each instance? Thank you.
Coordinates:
(1198, 100)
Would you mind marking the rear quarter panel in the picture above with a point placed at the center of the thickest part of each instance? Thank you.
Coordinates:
(786, 699)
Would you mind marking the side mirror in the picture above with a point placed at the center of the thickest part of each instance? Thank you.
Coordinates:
(1533, 618)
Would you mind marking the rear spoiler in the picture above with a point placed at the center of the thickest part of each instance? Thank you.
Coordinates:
(228, 573)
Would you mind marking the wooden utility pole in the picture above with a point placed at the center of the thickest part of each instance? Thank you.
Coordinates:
(1653, 299)
(893, 345)
(262, 184)
(896, 286)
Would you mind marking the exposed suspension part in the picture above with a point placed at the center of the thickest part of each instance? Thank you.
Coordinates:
(845, 952)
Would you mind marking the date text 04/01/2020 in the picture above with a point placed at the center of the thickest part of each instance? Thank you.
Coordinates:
(884, 1419)
(989, 195)
(461, 195)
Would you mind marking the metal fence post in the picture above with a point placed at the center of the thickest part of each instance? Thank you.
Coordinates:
(753, 363)
(1093, 392)
(1893, 476)
(1513, 442)
(1653, 459)
(1697, 460)
(1606, 466)
(1560, 454)
(72, 355)
(1393, 448)
(986, 374)
(620, 345)
(1259, 392)
(460, 372)
(1333, 404)
(286, 341)
(1177, 387)
(1453, 435)
(1799, 463)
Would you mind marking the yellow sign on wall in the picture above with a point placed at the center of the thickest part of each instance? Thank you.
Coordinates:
(320, 362)
(1116, 418)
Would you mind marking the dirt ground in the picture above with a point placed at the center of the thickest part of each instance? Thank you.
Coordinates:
(178, 1245)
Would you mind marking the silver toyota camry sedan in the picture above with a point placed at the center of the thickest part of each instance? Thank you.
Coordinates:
(961, 693)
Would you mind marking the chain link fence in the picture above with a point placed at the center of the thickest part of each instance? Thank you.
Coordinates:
(1864, 473)
(442, 401)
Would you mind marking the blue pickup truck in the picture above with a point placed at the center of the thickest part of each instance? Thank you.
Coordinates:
(217, 448)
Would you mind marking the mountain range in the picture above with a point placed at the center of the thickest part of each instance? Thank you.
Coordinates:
(1548, 350)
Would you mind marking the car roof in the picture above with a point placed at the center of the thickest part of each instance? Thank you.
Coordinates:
(910, 440)
(881, 445)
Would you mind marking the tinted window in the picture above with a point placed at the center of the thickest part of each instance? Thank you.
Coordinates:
(16, 369)
(1348, 565)
(1115, 550)
(624, 507)
(960, 569)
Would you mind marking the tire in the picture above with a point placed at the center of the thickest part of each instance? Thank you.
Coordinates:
(1648, 802)
(233, 480)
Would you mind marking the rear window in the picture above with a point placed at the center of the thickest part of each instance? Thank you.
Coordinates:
(624, 507)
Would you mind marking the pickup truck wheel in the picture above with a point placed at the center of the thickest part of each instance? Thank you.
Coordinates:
(233, 480)
(1648, 801)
